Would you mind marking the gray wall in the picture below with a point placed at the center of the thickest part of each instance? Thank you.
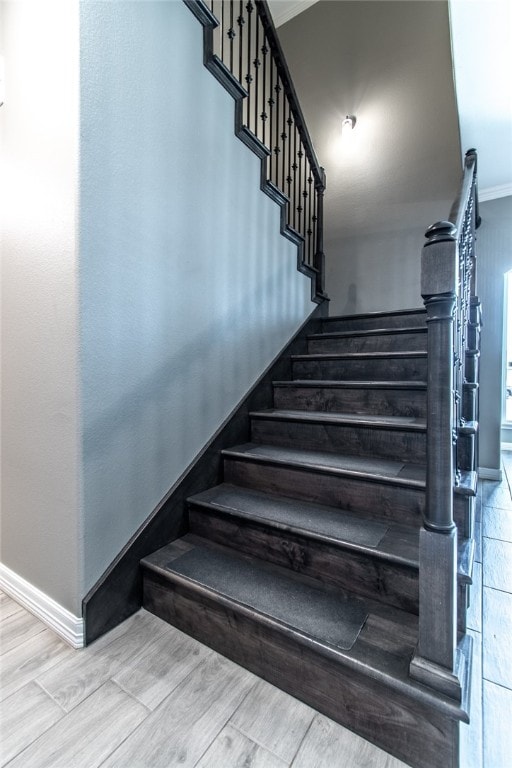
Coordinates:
(389, 63)
(40, 521)
(187, 288)
(494, 260)
(124, 347)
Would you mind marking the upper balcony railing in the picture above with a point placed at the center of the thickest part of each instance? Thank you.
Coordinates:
(244, 53)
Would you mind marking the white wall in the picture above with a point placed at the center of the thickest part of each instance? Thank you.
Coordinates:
(494, 253)
(389, 64)
(187, 289)
(40, 522)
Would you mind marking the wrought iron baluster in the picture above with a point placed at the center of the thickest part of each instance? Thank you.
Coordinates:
(309, 230)
(248, 76)
(231, 34)
(289, 177)
(277, 148)
(264, 114)
(240, 22)
(257, 64)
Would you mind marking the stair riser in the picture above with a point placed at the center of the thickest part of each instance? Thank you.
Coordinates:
(378, 500)
(377, 402)
(356, 572)
(358, 441)
(412, 731)
(374, 499)
(405, 320)
(402, 342)
(347, 369)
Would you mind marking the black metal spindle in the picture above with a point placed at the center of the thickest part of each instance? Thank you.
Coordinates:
(264, 114)
(300, 155)
(231, 34)
(309, 231)
(241, 22)
(277, 149)
(284, 137)
(248, 77)
(222, 29)
(257, 64)
(271, 117)
(289, 177)
(294, 169)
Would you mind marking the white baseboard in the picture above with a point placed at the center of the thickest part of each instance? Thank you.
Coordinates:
(70, 628)
(486, 473)
(506, 446)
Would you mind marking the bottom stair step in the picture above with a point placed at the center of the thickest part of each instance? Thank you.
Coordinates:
(345, 656)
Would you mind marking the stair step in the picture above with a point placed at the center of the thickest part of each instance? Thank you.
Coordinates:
(395, 437)
(394, 398)
(373, 340)
(379, 489)
(361, 365)
(397, 319)
(371, 558)
(336, 652)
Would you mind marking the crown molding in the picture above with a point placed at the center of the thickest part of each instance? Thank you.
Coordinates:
(284, 10)
(492, 193)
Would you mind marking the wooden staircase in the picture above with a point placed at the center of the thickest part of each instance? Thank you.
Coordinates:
(302, 565)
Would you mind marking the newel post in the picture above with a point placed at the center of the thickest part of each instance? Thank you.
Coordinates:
(435, 662)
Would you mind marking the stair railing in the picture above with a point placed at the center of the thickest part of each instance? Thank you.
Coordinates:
(448, 282)
(243, 51)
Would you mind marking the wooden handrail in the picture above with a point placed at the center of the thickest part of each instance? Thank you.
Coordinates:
(448, 280)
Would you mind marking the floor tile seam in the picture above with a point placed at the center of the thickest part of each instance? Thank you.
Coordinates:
(226, 722)
(306, 734)
(41, 733)
(18, 640)
(114, 679)
(129, 734)
(256, 742)
(253, 738)
(50, 696)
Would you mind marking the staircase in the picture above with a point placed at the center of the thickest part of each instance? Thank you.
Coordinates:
(302, 566)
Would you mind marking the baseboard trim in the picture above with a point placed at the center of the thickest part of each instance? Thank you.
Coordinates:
(69, 627)
(486, 473)
(506, 446)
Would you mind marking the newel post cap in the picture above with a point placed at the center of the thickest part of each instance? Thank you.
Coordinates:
(440, 232)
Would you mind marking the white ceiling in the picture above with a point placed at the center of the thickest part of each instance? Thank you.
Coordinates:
(482, 58)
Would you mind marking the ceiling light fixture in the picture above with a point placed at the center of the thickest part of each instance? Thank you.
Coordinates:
(349, 122)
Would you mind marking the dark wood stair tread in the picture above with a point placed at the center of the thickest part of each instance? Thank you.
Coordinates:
(334, 526)
(367, 332)
(359, 356)
(378, 313)
(348, 384)
(387, 541)
(322, 417)
(383, 470)
(310, 610)
(381, 651)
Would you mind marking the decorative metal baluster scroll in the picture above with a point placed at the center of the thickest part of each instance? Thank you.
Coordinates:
(244, 53)
(448, 283)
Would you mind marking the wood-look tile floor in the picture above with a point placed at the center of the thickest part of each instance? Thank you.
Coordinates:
(146, 695)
